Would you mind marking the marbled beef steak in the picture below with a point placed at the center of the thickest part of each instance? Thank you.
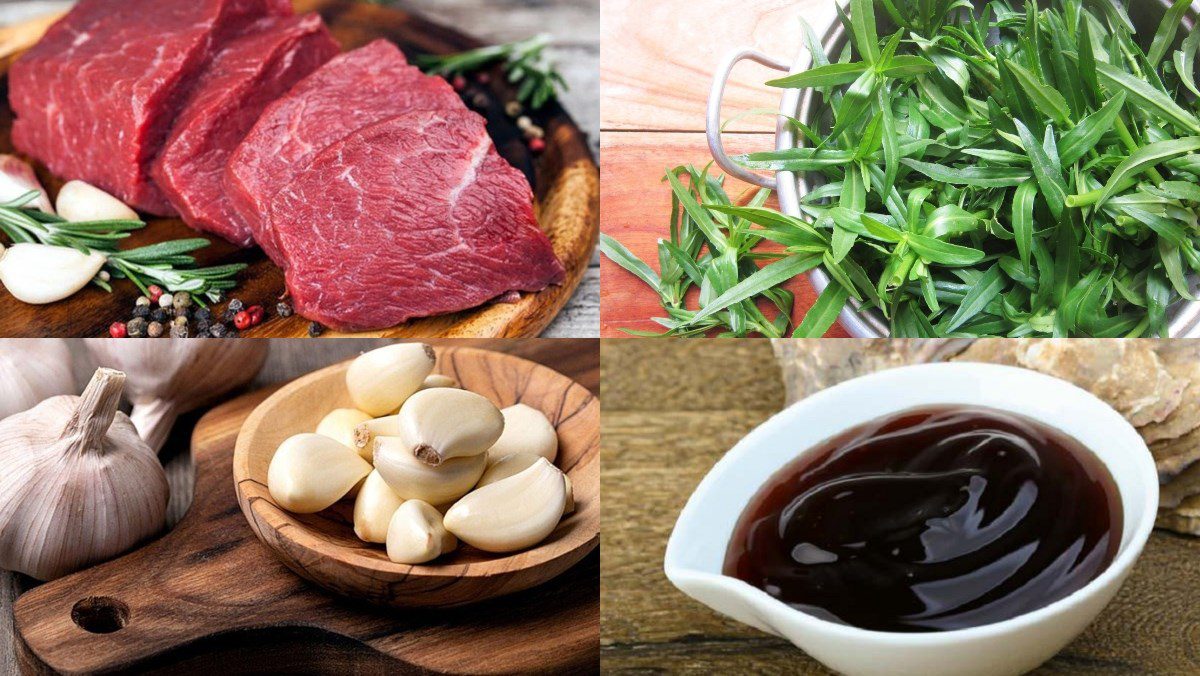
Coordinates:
(410, 217)
(95, 98)
(353, 90)
(245, 76)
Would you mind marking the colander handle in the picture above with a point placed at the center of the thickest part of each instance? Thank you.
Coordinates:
(713, 123)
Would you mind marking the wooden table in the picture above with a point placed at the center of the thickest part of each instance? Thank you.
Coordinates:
(671, 409)
(289, 359)
(654, 88)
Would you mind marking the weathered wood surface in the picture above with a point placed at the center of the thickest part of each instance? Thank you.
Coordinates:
(565, 177)
(671, 409)
(654, 90)
(289, 359)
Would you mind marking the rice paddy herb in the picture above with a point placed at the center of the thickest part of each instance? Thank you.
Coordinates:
(1007, 172)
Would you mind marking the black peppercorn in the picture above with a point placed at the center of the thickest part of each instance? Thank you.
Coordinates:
(136, 327)
(202, 314)
(217, 330)
(236, 305)
(283, 309)
(202, 326)
(179, 331)
(141, 311)
(159, 315)
(315, 329)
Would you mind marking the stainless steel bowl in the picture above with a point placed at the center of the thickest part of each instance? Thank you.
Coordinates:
(859, 321)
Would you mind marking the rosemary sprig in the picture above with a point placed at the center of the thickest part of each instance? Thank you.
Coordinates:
(166, 264)
(525, 63)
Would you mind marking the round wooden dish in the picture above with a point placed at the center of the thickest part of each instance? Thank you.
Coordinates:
(322, 547)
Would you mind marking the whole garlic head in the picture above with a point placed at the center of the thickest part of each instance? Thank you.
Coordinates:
(513, 513)
(33, 370)
(415, 480)
(309, 472)
(381, 380)
(416, 534)
(526, 430)
(79, 485)
(443, 423)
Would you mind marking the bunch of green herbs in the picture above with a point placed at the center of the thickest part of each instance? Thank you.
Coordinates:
(526, 65)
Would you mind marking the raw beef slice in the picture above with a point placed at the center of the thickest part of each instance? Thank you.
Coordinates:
(353, 90)
(411, 217)
(95, 98)
(244, 77)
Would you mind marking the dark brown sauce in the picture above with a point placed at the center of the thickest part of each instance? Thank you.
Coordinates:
(933, 519)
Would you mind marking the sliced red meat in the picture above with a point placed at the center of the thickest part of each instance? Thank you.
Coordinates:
(95, 97)
(245, 76)
(411, 217)
(353, 90)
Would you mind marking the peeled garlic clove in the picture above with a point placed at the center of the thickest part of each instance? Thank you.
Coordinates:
(340, 425)
(415, 480)
(416, 534)
(513, 513)
(79, 201)
(513, 463)
(438, 380)
(526, 430)
(17, 178)
(381, 380)
(38, 273)
(444, 423)
(373, 509)
(310, 472)
(366, 431)
(570, 490)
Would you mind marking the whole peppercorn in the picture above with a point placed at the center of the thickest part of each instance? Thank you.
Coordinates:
(117, 330)
(182, 301)
(202, 314)
(537, 145)
(480, 100)
(185, 312)
(236, 305)
(218, 330)
(141, 310)
(257, 314)
(154, 329)
(178, 331)
(136, 327)
(166, 300)
(513, 108)
(159, 315)
(458, 82)
(283, 309)
(242, 320)
(483, 78)
(142, 301)
(179, 321)
(156, 292)
(315, 329)
(202, 327)
(524, 122)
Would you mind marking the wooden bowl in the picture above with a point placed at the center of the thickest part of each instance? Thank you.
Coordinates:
(322, 547)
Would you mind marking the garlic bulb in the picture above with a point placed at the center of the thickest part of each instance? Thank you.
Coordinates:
(170, 377)
(443, 423)
(380, 380)
(526, 430)
(79, 486)
(373, 508)
(415, 480)
(513, 513)
(340, 424)
(310, 472)
(416, 534)
(32, 370)
(18, 178)
(79, 201)
(38, 274)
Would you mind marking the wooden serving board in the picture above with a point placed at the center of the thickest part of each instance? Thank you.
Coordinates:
(208, 595)
(565, 178)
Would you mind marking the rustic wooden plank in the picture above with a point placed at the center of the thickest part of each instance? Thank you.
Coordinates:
(660, 435)
(637, 208)
(658, 73)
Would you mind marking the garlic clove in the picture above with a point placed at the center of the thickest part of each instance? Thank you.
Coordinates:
(381, 380)
(39, 274)
(513, 463)
(438, 380)
(526, 430)
(366, 431)
(569, 505)
(444, 423)
(79, 201)
(513, 513)
(340, 425)
(416, 534)
(309, 472)
(373, 509)
(18, 178)
(415, 480)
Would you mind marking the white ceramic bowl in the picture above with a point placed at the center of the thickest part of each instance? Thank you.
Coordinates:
(696, 551)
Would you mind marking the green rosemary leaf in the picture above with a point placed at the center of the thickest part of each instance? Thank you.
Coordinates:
(823, 313)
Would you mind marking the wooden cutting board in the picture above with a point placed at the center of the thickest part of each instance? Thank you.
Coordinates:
(208, 595)
(565, 179)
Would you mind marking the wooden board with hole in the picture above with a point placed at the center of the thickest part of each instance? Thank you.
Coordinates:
(565, 179)
(208, 595)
